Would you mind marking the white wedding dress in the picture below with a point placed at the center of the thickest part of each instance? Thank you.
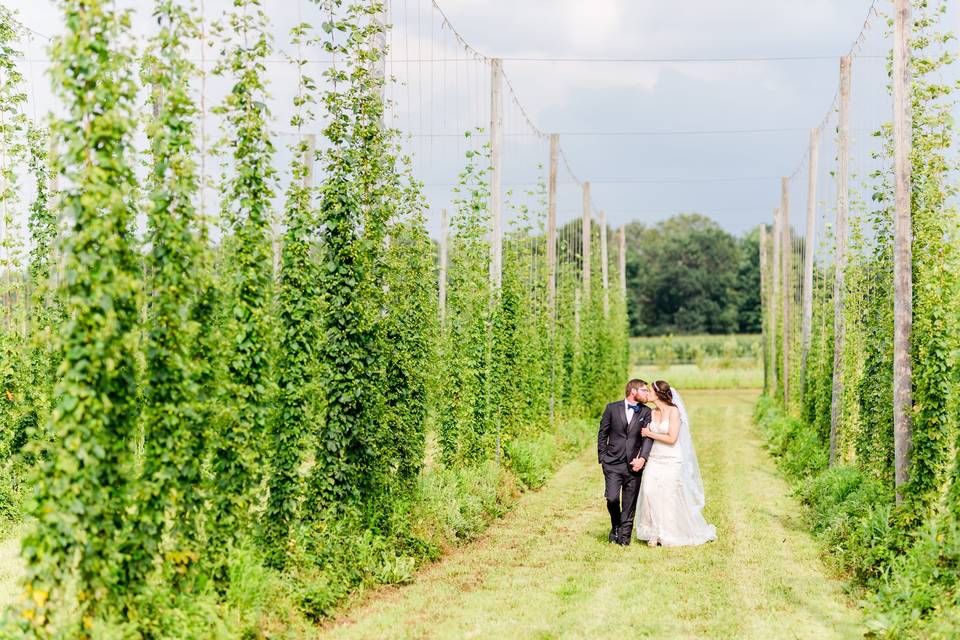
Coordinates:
(671, 493)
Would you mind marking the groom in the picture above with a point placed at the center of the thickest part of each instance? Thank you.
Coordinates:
(620, 450)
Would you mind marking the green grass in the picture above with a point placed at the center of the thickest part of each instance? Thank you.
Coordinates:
(546, 570)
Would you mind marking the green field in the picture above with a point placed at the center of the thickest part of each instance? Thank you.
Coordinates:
(699, 362)
(762, 578)
(692, 376)
(547, 571)
(725, 350)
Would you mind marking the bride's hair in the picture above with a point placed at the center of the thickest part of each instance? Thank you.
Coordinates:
(663, 391)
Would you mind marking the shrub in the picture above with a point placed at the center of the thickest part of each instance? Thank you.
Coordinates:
(920, 595)
(796, 446)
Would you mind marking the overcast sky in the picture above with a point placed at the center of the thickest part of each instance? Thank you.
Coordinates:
(663, 97)
(733, 177)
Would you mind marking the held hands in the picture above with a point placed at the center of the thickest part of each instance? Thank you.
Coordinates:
(637, 463)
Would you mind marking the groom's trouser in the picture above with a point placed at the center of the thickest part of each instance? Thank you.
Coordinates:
(621, 491)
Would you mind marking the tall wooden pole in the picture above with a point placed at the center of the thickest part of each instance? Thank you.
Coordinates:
(809, 247)
(774, 301)
(552, 264)
(586, 242)
(902, 249)
(786, 247)
(604, 268)
(442, 280)
(496, 173)
(765, 328)
(496, 187)
(840, 257)
(552, 229)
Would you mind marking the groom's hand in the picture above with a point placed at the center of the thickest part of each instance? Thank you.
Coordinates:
(637, 464)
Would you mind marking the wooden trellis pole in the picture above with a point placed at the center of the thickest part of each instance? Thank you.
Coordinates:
(809, 243)
(902, 250)
(773, 300)
(552, 264)
(785, 248)
(586, 242)
(604, 267)
(840, 257)
(552, 230)
(763, 304)
(496, 173)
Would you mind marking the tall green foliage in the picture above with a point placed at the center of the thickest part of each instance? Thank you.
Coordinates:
(149, 486)
(905, 554)
(465, 395)
(299, 303)
(46, 308)
(17, 404)
(12, 149)
(410, 334)
(82, 487)
(936, 231)
(173, 433)
(353, 216)
(246, 209)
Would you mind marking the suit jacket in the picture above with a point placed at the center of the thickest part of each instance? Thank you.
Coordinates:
(619, 442)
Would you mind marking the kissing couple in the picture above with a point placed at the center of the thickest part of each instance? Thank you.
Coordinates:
(649, 462)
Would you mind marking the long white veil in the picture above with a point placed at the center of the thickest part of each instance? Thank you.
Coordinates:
(692, 481)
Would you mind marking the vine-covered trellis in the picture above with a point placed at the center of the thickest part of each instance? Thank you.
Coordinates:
(837, 312)
(185, 391)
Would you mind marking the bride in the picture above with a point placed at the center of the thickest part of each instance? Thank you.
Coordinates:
(671, 492)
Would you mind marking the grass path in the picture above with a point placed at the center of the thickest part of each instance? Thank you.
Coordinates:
(547, 571)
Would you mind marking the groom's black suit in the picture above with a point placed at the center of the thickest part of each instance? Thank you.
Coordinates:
(618, 443)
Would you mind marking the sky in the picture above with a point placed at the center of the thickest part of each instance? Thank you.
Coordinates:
(653, 138)
(671, 97)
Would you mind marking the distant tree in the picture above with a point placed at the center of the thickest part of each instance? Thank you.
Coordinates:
(682, 276)
(748, 283)
(636, 242)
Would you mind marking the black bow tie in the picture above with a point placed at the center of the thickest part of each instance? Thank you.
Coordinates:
(633, 407)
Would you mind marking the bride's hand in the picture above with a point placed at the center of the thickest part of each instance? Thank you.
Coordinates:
(646, 433)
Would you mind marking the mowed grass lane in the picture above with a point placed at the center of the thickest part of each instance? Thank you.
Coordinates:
(547, 571)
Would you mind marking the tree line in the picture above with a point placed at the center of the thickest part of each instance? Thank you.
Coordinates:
(687, 275)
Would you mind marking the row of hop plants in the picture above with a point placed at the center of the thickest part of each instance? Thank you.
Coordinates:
(172, 406)
(902, 555)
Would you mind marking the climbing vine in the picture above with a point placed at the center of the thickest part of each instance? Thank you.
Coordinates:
(905, 551)
(246, 211)
(83, 484)
(217, 423)
(299, 304)
(174, 436)
(465, 395)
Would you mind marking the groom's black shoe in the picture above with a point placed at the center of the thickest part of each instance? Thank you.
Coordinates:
(613, 536)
